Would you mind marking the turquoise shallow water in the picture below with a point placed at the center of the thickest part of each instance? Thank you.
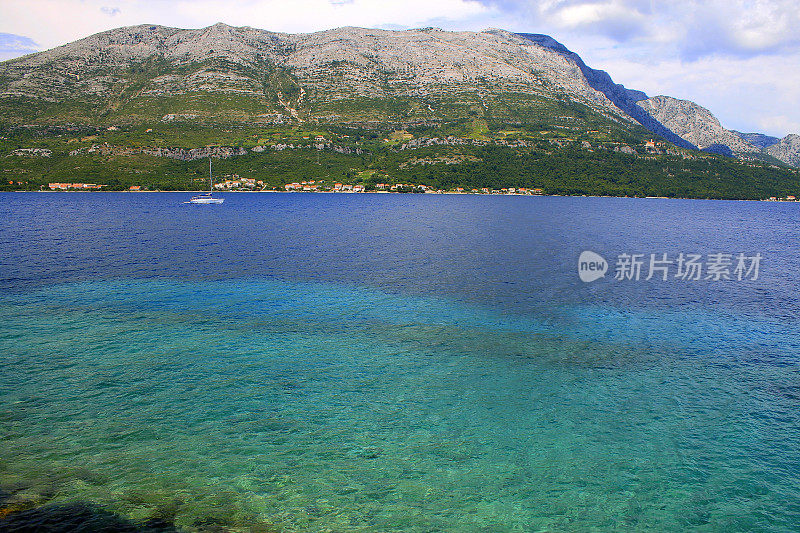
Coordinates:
(291, 362)
(322, 406)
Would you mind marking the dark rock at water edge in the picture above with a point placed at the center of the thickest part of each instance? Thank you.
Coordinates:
(77, 518)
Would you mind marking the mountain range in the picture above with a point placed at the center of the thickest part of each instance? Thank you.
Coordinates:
(351, 76)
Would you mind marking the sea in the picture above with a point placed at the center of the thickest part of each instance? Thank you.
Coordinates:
(399, 362)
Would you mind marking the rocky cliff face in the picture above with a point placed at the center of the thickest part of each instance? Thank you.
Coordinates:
(624, 99)
(699, 126)
(338, 63)
(414, 75)
(787, 150)
(758, 139)
(695, 124)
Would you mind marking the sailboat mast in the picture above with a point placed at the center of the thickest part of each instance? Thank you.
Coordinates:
(210, 179)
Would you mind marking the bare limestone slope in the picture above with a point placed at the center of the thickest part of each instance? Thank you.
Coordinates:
(699, 126)
(694, 123)
(758, 139)
(301, 70)
(351, 75)
(787, 149)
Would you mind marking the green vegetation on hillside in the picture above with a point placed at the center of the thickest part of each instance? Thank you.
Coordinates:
(475, 158)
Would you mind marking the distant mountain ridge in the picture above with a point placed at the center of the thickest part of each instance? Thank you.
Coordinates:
(143, 73)
(758, 139)
(786, 149)
(623, 98)
(326, 66)
(699, 126)
(694, 123)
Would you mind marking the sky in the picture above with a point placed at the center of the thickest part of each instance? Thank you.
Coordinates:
(740, 59)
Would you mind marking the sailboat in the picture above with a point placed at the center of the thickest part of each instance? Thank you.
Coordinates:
(206, 198)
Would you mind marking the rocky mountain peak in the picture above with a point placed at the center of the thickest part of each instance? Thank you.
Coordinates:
(622, 98)
(787, 149)
(695, 124)
(313, 71)
(758, 139)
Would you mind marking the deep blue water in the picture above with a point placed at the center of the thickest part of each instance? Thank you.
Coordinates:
(398, 362)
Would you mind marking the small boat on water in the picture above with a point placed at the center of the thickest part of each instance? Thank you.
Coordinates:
(206, 198)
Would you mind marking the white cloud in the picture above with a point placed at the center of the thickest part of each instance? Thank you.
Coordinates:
(12, 46)
(734, 27)
(694, 28)
(778, 124)
(616, 18)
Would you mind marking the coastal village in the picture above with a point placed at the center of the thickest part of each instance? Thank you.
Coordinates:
(354, 180)
(400, 140)
(321, 186)
(234, 183)
(75, 186)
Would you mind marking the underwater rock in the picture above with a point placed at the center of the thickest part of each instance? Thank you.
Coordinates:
(210, 525)
(89, 476)
(77, 518)
(14, 502)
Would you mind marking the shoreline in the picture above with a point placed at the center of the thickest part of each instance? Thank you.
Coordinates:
(417, 194)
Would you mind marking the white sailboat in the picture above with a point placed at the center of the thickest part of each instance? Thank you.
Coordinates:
(206, 198)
